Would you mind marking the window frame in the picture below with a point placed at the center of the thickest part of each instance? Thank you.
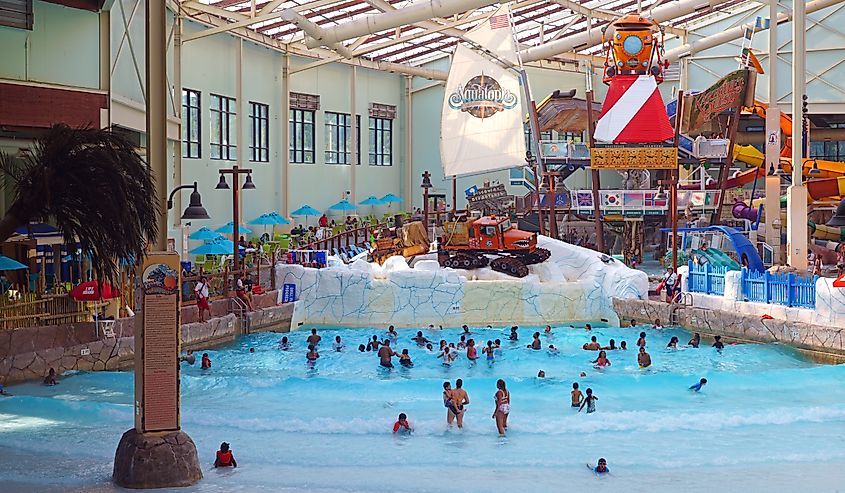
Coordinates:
(225, 142)
(301, 155)
(377, 132)
(335, 132)
(188, 123)
(259, 132)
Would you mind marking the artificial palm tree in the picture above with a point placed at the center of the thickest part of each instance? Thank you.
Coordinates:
(92, 185)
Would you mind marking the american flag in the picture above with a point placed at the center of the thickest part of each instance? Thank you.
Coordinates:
(499, 21)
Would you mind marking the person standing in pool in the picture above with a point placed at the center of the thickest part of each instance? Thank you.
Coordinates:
(623, 346)
(472, 351)
(284, 345)
(602, 360)
(488, 351)
(593, 345)
(391, 333)
(224, 457)
(449, 403)
(633, 323)
(673, 343)
(548, 330)
(402, 426)
(601, 467)
(697, 387)
(536, 344)
(313, 339)
(50, 379)
(503, 407)
(460, 399)
(405, 359)
(385, 353)
(205, 363)
(695, 341)
(718, 344)
(466, 331)
(338, 344)
(589, 402)
(312, 354)
(514, 336)
(374, 344)
(641, 340)
(588, 327)
(643, 358)
(657, 324)
(420, 339)
(576, 395)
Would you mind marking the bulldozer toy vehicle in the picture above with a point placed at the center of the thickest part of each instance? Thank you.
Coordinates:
(466, 244)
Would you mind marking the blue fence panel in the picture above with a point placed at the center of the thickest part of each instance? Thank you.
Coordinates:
(706, 278)
(782, 289)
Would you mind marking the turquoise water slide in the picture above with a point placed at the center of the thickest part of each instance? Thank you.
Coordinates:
(717, 258)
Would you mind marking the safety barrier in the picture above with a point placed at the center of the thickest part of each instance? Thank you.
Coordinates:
(707, 279)
(782, 289)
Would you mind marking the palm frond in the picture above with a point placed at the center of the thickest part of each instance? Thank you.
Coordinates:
(94, 186)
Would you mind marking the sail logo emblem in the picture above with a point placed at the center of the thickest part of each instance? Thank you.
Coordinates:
(482, 97)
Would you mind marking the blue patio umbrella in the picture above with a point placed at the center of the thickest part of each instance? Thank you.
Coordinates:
(306, 210)
(215, 247)
(7, 263)
(203, 233)
(391, 199)
(229, 228)
(270, 218)
(343, 205)
(372, 200)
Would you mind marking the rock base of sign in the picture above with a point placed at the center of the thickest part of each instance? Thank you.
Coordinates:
(156, 460)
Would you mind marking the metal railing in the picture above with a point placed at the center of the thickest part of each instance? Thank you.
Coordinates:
(782, 289)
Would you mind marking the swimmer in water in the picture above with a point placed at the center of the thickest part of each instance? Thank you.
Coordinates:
(535, 344)
(588, 327)
(312, 354)
(695, 341)
(593, 345)
(601, 467)
(643, 358)
(374, 344)
(553, 349)
(576, 395)
(420, 339)
(657, 324)
(472, 352)
(633, 323)
(466, 331)
(488, 351)
(611, 346)
(429, 348)
(338, 344)
(673, 343)
(514, 336)
(718, 344)
(449, 403)
(589, 402)
(224, 457)
(548, 330)
(405, 359)
(497, 344)
(623, 346)
(460, 399)
(602, 360)
(503, 407)
(313, 339)
(447, 355)
(284, 345)
(361, 348)
(402, 426)
(463, 343)
(541, 374)
(391, 333)
(205, 362)
(641, 340)
(697, 387)
(385, 353)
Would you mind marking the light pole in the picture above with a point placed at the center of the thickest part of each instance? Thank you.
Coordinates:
(195, 210)
(426, 185)
(235, 171)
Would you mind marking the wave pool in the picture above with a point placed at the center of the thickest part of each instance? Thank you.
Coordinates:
(768, 420)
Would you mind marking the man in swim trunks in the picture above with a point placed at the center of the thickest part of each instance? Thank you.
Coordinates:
(576, 395)
(313, 339)
(420, 339)
(643, 358)
(593, 345)
(224, 457)
(697, 387)
(460, 398)
(402, 426)
(536, 344)
(385, 353)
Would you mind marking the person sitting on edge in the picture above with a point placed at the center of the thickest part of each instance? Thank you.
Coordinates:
(312, 354)
(657, 324)
(385, 353)
(514, 336)
(225, 457)
(589, 402)
(313, 339)
(697, 387)
(641, 340)
(601, 467)
(284, 345)
(405, 359)
(576, 395)
(611, 345)
(391, 333)
(338, 344)
(623, 346)
(718, 344)
(472, 351)
(535, 344)
(643, 358)
(420, 339)
(362, 348)
(602, 360)
(50, 379)
(188, 357)
(374, 344)
(593, 345)
(401, 425)
(673, 343)
(695, 341)
(205, 362)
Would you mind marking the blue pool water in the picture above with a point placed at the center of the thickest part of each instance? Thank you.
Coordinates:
(769, 420)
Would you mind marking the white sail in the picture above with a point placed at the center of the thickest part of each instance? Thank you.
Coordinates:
(481, 122)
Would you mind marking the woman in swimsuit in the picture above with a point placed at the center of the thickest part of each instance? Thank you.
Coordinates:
(489, 350)
(472, 352)
(503, 407)
(602, 360)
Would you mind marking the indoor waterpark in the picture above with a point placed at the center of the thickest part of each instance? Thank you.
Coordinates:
(562, 245)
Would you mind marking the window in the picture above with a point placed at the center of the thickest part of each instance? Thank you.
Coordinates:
(191, 125)
(381, 142)
(547, 135)
(339, 138)
(259, 132)
(16, 13)
(571, 136)
(223, 135)
(301, 136)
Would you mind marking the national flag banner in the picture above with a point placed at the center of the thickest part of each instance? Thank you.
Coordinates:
(749, 32)
(633, 199)
(761, 23)
(612, 199)
(585, 199)
(499, 21)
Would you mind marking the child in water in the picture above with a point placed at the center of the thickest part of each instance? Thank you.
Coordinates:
(401, 425)
(601, 467)
(224, 457)
(589, 402)
(576, 394)
(405, 359)
(697, 387)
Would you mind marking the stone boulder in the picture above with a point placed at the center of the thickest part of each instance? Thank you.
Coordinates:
(156, 460)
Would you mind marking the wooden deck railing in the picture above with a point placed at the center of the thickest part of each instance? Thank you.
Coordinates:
(355, 236)
(30, 310)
